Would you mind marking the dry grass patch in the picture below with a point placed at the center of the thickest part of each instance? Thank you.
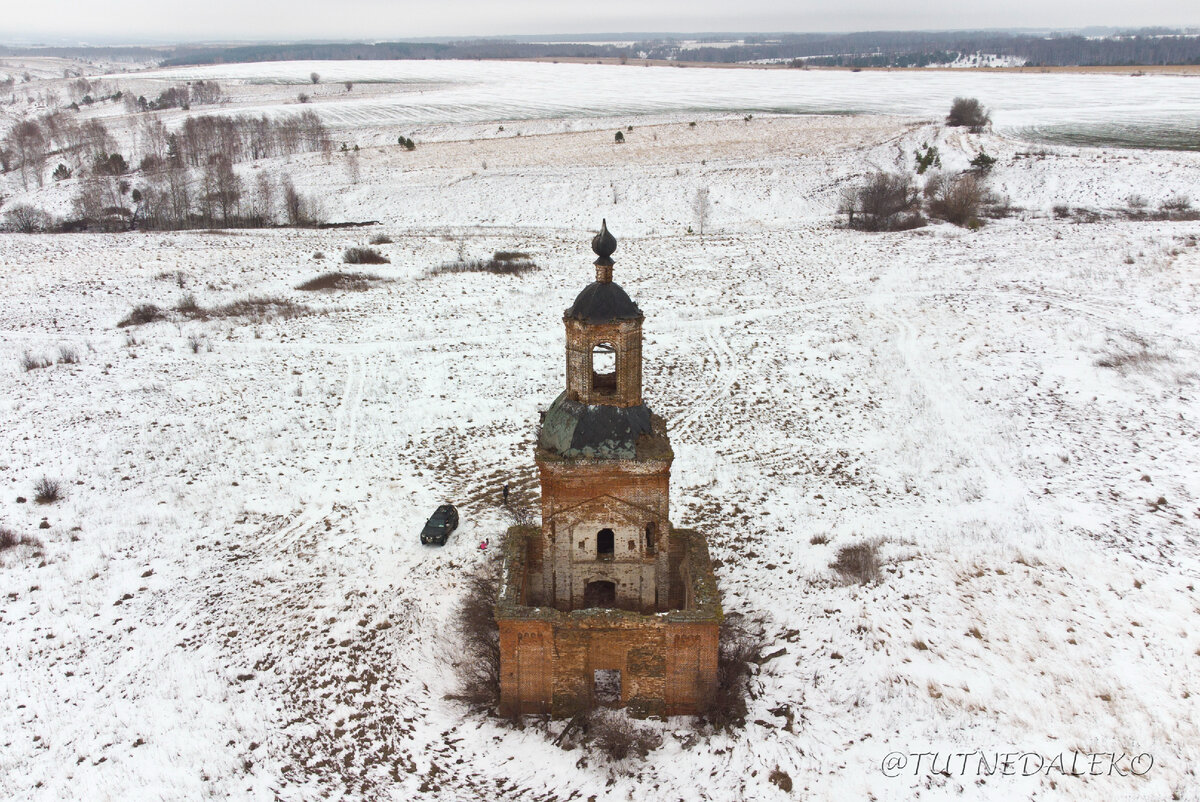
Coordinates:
(141, 315)
(858, 563)
(505, 263)
(31, 361)
(254, 308)
(1135, 355)
(340, 280)
(10, 540)
(359, 255)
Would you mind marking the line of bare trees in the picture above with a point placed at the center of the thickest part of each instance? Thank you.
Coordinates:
(176, 197)
(30, 143)
(235, 139)
(185, 178)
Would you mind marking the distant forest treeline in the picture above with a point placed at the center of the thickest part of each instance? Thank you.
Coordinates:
(876, 49)
(871, 49)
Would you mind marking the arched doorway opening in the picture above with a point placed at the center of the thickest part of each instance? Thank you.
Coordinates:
(600, 594)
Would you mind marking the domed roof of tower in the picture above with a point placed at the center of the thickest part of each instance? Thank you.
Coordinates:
(603, 301)
(572, 429)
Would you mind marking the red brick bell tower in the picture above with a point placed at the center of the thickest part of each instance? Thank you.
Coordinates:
(606, 586)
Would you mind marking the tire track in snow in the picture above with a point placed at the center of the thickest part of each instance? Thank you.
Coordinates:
(719, 388)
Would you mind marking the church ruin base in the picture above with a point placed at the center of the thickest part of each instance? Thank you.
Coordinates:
(562, 662)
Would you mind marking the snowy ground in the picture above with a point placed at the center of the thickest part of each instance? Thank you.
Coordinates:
(231, 601)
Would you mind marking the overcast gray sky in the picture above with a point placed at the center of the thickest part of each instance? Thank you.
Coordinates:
(393, 19)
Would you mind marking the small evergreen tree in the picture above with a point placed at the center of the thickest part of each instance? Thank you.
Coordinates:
(61, 172)
(620, 137)
(983, 162)
(927, 158)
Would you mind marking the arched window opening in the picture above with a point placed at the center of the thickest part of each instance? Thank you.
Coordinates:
(650, 538)
(604, 544)
(604, 369)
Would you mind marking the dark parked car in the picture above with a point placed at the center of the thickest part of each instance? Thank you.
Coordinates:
(439, 526)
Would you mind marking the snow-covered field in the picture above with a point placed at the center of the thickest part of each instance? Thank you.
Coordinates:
(1146, 108)
(231, 601)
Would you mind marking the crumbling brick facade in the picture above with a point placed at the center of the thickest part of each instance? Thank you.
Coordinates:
(606, 589)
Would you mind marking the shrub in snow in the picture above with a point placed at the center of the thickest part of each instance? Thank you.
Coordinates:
(617, 737)
(340, 281)
(30, 362)
(884, 202)
(983, 162)
(968, 112)
(478, 668)
(958, 199)
(927, 157)
(25, 219)
(10, 540)
(1176, 203)
(47, 490)
(508, 263)
(358, 255)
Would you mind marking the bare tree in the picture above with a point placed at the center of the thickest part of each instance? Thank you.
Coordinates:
(261, 138)
(153, 138)
(263, 200)
(27, 145)
(99, 201)
(205, 92)
(221, 189)
(315, 136)
(78, 88)
(97, 142)
(314, 77)
(702, 206)
(293, 204)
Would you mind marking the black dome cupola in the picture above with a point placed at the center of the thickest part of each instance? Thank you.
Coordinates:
(602, 301)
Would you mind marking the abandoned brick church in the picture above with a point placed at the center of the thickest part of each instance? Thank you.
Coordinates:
(607, 603)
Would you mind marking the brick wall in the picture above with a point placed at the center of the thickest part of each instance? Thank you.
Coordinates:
(666, 667)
